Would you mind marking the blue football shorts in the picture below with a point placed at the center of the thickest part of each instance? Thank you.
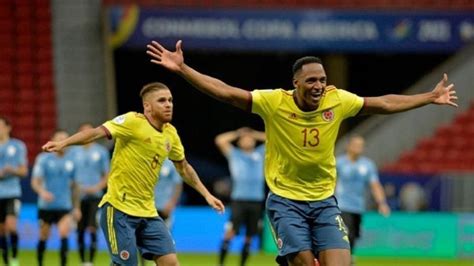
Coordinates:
(125, 234)
(306, 225)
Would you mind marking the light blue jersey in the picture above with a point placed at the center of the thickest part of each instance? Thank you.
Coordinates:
(167, 182)
(57, 174)
(353, 179)
(13, 154)
(91, 163)
(246, 170)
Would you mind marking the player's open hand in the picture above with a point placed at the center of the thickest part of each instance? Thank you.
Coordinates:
(446, 95)
(52, 146)
(215, 203)
(161, 56)
(384, 209)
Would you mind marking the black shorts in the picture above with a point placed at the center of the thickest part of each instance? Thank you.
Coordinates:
(352, 221)
(9, 206)
(51, 216)
(248, 213)
(89, 208)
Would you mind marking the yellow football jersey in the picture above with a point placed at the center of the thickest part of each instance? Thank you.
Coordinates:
(140, 150)
(299, 160)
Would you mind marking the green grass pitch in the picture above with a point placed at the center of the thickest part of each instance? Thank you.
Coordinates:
(27, 258)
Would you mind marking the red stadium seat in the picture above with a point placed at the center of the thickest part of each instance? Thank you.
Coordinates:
(43, 27)
(7, 108)
(24, 54)
(25, 68)
(6, 26)
(47, 123)
(5, 11)
(6, 67)
(45, 68)
(47, 108)
(25, 39)
(6, 82)
(45, 87)
(450, 149)
(24, 27)
(43, 13)
(25, 82)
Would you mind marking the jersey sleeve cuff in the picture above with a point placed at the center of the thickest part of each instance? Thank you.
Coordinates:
(107, 132)
(249, 102)
(364, 103)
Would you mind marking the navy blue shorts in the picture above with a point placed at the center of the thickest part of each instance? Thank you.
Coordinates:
(125, 234)
(306, 225)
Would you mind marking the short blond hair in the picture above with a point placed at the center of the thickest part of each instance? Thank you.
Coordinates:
(152, 87)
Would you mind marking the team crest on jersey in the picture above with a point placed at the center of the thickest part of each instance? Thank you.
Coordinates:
(119, 119)
(11, 150)
(328, 115)
(124, 255)
(280, 243)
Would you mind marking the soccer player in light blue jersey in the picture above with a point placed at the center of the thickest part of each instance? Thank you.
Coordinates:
(53, 180)
(355, 174)
(248, 191)
(13, 166)
(92, 163)
(168, 191)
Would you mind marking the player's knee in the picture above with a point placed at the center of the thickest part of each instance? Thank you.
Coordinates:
(303, 258)
(167, 260)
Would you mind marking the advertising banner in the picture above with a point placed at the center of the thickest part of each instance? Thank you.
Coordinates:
(291, 30)
(409, 235)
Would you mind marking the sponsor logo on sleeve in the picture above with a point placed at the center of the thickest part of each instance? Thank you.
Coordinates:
(119, 119)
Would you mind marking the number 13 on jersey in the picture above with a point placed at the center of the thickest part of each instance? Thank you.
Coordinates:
(310, 137)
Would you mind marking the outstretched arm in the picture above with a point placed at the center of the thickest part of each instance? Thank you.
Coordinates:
(186, 171)
(174, 61)
(442, 94)
(81, 137)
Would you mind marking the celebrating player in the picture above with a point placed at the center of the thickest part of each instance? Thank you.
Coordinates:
(301, 126)
(142, 142)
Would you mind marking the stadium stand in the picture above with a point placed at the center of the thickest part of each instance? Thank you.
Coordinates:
(26, 78)
(450, 148)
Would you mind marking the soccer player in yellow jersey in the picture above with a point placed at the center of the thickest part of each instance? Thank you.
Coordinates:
(301, 127)
(142, 142)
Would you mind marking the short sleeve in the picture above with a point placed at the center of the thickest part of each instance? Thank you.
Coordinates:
(22, 156)
(175, 176)
(121, 126)
(374, 174)
(177, 150)
(265, 102)
(38, 168)
(261, 149)
(351, 103)
(69, 164)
